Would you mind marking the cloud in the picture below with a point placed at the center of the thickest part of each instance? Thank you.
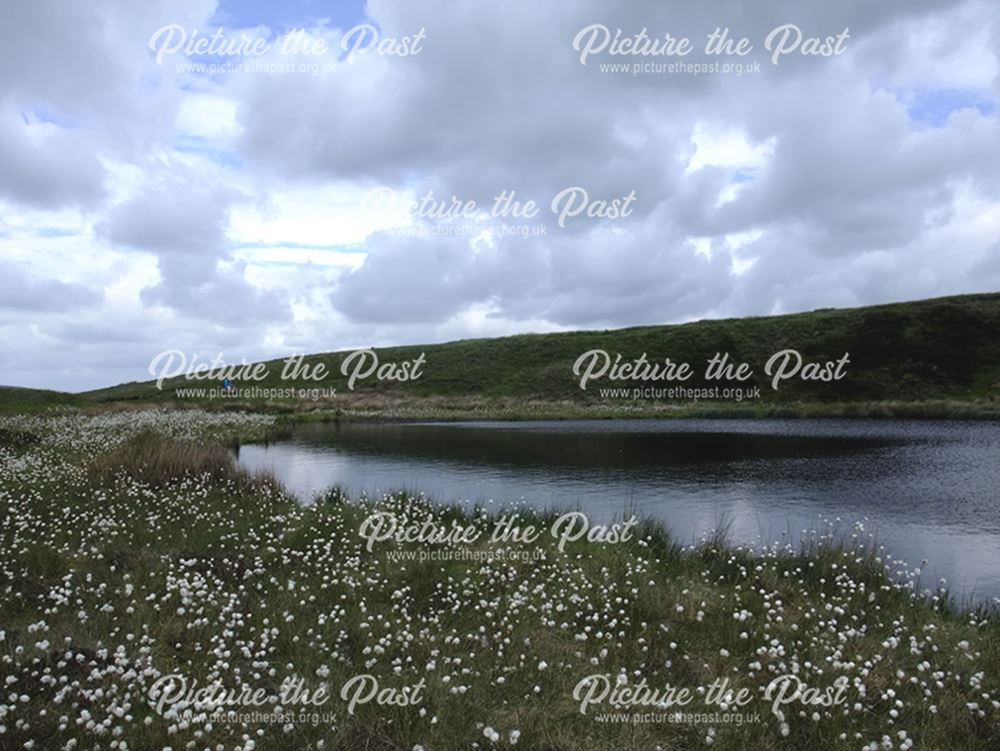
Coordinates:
(97, 72)
(231, 208)
(21, 292)
(841, 174)
(172, 214)
(45, 166)
(184, 222)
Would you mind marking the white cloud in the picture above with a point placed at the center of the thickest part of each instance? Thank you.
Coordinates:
(314, 215)
(208, 116)
(724, 146)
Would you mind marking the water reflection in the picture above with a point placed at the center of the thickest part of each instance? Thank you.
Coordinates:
(931, 490)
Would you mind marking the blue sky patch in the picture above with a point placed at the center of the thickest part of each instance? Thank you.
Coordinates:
(294, 14)
(931, 107)
(55, 232)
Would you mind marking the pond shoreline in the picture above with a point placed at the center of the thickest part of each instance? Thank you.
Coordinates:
(462, 410)
(925, 486)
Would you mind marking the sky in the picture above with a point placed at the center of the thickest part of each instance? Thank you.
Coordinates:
(338, 187)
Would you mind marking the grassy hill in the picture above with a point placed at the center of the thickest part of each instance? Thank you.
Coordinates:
(939, 351)
(14, 399)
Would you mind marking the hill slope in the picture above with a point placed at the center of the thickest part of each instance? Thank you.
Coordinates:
(14, 399)
(913, 352)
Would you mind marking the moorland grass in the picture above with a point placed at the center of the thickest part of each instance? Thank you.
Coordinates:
(128, 554)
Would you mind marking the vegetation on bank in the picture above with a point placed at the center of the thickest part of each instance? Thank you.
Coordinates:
(366, 408)
(132, 548)
(928, 358)
(15, 400)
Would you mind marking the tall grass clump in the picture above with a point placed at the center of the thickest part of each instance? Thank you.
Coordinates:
(157, 460)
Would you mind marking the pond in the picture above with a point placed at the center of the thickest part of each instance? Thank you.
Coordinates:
(928, 490)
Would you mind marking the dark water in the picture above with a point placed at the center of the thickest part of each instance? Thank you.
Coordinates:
(927, 490)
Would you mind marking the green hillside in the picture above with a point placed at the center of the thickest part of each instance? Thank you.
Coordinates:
(19, 400)
(944, 351)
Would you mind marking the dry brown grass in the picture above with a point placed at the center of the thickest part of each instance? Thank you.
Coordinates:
(155, 460)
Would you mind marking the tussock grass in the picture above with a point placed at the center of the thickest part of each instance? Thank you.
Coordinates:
(156, 460)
